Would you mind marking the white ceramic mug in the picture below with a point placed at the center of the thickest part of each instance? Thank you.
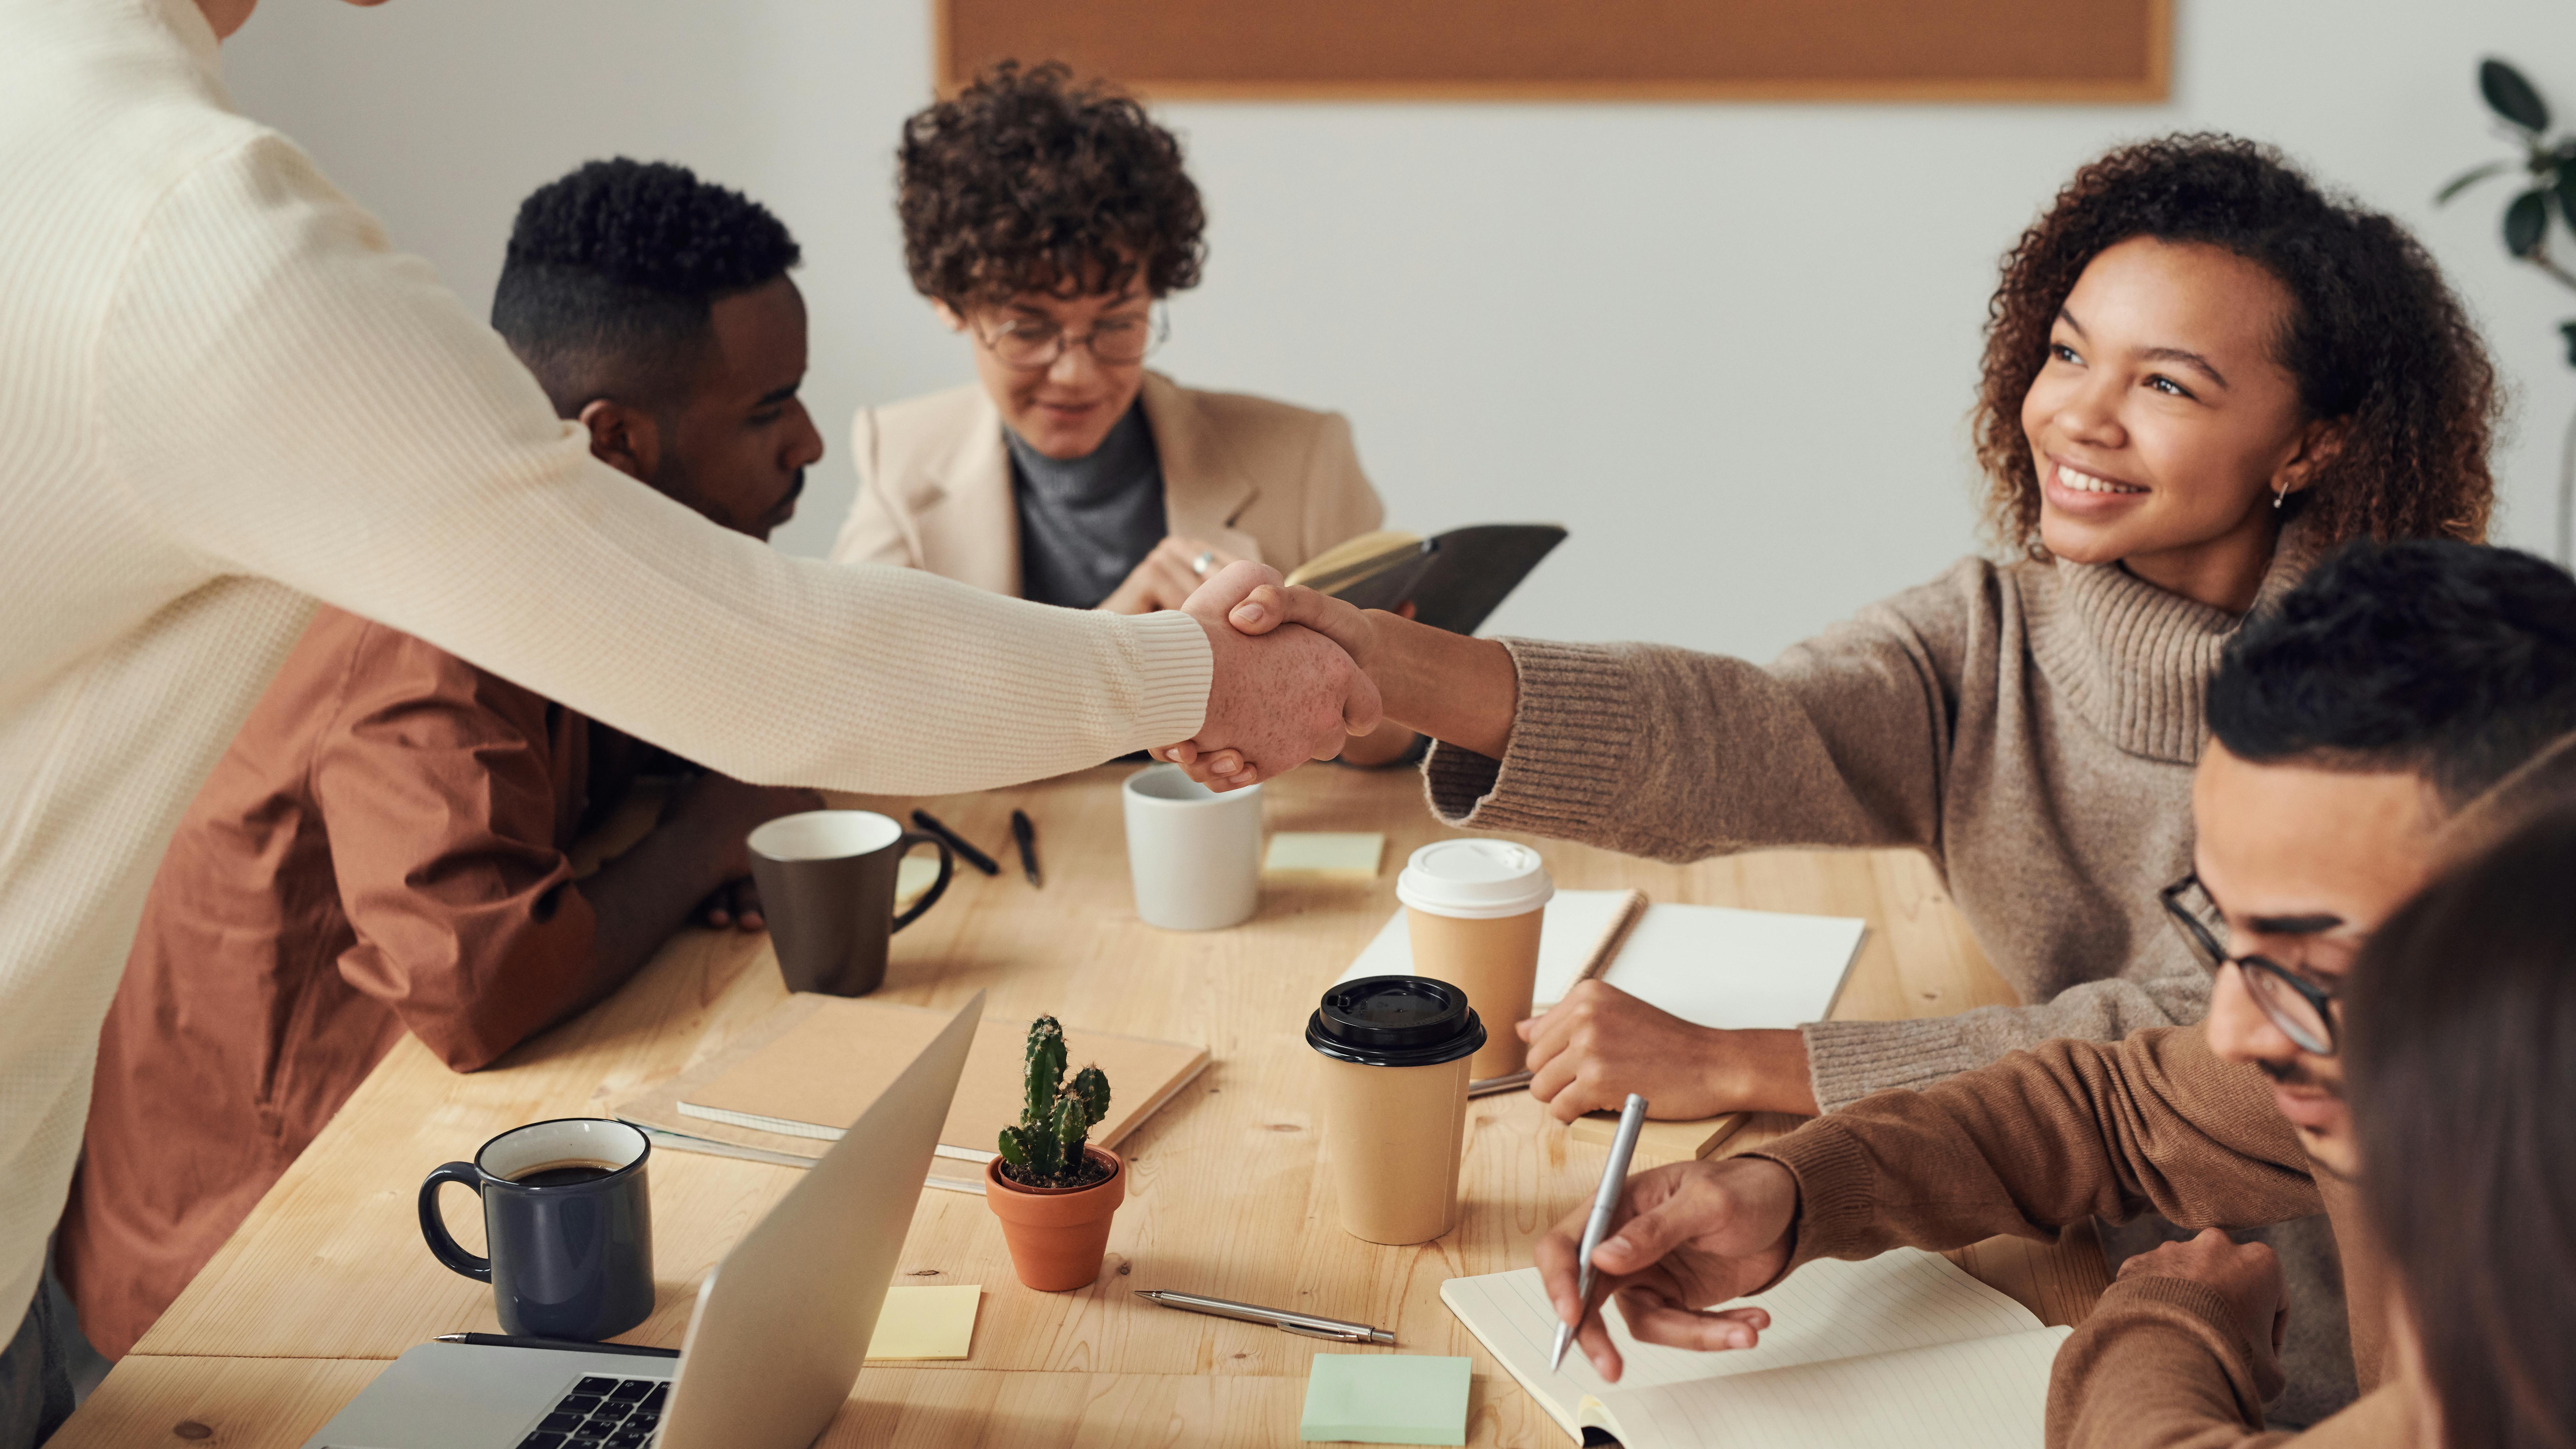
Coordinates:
(1195, 855)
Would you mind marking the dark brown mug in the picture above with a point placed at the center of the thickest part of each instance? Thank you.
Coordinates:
(827, 886)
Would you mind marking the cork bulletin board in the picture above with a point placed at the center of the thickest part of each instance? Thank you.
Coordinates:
(2100, 51)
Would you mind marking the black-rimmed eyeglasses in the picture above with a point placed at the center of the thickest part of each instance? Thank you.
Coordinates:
(2302, 1009)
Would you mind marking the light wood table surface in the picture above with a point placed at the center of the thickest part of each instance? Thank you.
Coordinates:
(1228, 1196)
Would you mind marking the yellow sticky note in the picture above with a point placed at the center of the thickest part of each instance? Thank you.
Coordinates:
(927, 1322)
(1328, 854)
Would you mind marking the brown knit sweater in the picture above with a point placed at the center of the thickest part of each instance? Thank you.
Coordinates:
(2080, 1129)
(2030, 726)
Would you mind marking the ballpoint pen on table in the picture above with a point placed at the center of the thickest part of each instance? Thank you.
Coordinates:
(1025, 831)
(1614, 1175)
(1311, 1325)
(956, 842)
(512, 1340)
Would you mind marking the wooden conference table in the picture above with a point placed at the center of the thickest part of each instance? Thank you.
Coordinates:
(328, 1278)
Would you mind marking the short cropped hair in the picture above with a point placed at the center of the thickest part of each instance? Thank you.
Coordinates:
(1027, 182)
(611, 272)
(2374, 336)
(2453, 661)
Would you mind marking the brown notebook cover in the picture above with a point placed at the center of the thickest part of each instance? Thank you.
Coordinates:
(808, 1069)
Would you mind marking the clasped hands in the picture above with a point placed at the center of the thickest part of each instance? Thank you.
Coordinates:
(1282, 693)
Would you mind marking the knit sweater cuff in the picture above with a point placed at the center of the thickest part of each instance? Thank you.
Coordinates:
(1849, 1060)
(1575, 727)
(2179, 1303)
(1174, 668)
(1837, 1190)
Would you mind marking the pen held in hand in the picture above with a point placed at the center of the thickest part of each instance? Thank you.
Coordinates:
(1605, 1201)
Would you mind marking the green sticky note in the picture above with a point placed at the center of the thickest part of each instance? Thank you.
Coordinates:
(1385, 1398)
(1325, 854)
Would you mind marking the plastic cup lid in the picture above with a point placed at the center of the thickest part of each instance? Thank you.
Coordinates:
(1474, 879)
(1395, 1021)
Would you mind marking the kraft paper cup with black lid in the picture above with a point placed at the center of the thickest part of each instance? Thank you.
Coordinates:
(1393, 1053)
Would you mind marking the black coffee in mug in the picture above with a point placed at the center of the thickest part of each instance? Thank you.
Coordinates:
(563, 1174)
(569, 1222)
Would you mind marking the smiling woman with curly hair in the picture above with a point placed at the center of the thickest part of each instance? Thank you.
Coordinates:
(1046, 221)
(2202, 371)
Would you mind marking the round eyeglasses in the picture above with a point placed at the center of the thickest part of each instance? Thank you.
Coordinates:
(1030, 343)
(2299, 1007)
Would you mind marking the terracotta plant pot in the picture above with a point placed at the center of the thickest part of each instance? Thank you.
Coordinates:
(1058, 1235)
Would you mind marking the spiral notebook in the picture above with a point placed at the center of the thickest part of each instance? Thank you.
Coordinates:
(1900, 1351)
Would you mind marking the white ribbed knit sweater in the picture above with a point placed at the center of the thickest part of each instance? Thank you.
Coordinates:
(223, 397)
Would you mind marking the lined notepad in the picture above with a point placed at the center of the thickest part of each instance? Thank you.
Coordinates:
(1904, 1349)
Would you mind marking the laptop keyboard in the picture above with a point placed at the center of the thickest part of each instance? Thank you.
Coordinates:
(603, 1413)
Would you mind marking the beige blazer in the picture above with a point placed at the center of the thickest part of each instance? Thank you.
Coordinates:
(1256, 478)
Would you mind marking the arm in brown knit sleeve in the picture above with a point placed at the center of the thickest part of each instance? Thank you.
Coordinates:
(2157, 1365)
(2040, 1139)
(1677, 755)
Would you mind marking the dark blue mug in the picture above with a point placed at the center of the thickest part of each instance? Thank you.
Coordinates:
(568, 1221)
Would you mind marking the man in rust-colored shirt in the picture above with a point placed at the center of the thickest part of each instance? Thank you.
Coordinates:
(384, 847)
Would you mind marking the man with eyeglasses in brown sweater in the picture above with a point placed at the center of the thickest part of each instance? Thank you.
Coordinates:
(2397, 703)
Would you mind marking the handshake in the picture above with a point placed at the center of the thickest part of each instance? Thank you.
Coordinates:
(1291, 683)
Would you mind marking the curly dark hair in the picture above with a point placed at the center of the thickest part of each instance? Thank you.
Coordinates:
(611, 271)
(2374, 334)
(1028, 182)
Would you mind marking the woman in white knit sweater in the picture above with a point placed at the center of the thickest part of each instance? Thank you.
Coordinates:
(225, 397)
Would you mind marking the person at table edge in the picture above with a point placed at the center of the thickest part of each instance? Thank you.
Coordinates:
(227, 399)
(2183, 405)
(2405, 707)
(1067, 472)
(385, 846)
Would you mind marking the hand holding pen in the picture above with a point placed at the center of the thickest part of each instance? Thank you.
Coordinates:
(1691, 1234)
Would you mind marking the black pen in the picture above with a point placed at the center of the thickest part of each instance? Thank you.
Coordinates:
(1025, 832)
(956, 842)
(508, 1340)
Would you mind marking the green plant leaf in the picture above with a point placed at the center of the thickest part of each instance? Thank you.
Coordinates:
(2568, 331)
(2526, 222)
(1090, 1086)
(1014, 1150)
(2562, 184)
(2512, 97)
(2469, 178)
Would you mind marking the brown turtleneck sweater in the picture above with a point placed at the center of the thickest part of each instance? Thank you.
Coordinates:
(2030, 726)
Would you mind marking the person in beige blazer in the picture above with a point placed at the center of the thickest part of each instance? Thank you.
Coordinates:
(1046, 222)
(1243, 477)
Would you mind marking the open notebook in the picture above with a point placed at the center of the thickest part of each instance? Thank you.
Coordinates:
(1712, 965)
(1902, 1351)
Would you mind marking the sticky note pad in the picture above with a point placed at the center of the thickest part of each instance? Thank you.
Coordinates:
(1325, 854)
(927, 1322)
(1385, 1398)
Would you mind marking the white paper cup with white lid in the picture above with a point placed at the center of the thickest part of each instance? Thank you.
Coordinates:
(1193, 853)
(1474, 908)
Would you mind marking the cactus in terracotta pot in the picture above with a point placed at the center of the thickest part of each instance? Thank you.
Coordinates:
(1044, 1149)
(1054, 1193)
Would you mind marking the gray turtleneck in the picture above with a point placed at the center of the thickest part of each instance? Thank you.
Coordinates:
(1086, 522)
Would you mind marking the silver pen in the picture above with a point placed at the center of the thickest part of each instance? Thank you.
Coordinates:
(1281, 1318)
(1614, 1175)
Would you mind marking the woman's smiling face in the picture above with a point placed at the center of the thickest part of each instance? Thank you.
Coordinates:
(2163, 425)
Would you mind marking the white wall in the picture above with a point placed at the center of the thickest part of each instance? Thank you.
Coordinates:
(1731, 347)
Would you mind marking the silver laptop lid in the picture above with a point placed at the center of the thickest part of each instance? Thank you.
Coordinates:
(782, 1324)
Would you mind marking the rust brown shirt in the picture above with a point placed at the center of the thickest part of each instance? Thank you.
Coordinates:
(381, 849)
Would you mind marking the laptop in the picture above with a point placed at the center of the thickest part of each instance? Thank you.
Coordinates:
(774, 1344)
